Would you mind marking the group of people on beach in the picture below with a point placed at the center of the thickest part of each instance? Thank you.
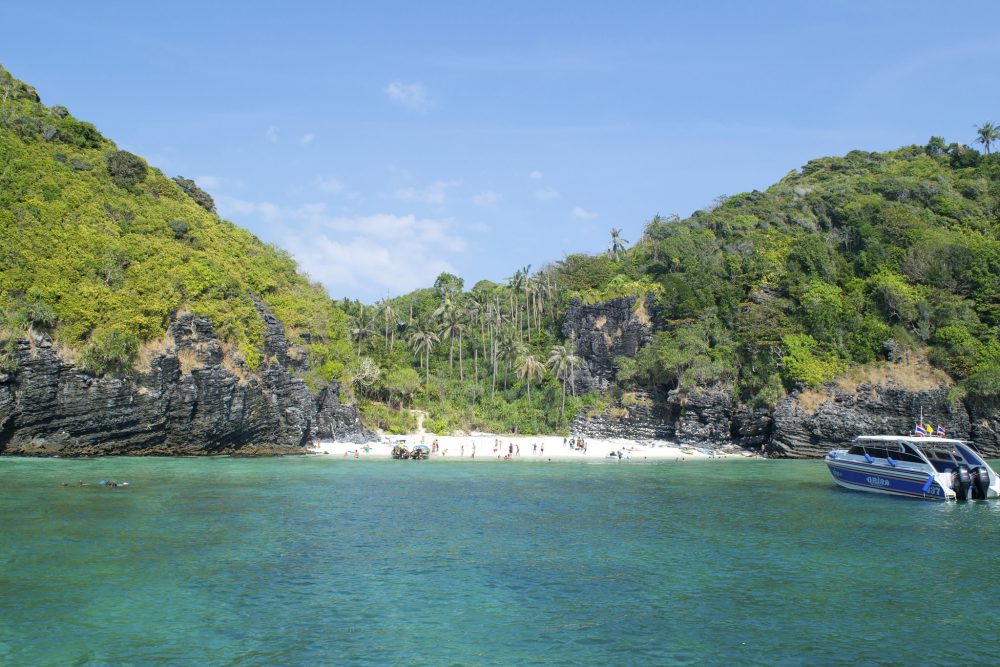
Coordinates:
(577, 444)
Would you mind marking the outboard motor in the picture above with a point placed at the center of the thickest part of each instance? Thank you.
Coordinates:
(980, 482)
(961, 480)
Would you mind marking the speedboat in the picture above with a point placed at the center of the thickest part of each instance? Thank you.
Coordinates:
(917, 466)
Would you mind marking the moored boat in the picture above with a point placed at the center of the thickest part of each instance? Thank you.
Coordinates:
(916, 466)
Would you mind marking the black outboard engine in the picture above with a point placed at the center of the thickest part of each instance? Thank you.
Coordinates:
(961, 480)
(980, 482)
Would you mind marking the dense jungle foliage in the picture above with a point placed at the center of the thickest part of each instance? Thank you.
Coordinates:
(849, 261)
(99, 249)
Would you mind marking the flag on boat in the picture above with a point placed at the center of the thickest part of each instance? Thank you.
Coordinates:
(940, 431)
(929, 429)
(919, 429)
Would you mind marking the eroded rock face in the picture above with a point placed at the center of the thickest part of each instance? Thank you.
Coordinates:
(873, 410)
(191, 400)
(712, 418)
(603, 331)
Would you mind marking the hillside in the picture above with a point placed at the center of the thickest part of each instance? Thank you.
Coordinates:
(871, 265)
(133, 319)
(100, 249)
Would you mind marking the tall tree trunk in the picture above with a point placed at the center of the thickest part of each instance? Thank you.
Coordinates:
(562, 410)
(451, 353)
(461, 371)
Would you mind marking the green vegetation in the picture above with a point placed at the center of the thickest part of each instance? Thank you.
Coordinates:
(478, 359)
(837, 265)
(100, 249)
(834, 267)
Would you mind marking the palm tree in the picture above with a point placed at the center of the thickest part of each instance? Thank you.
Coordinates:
(617, 245)
(509, 350)
(445, 313)
(563, 363)
(988, 133)
(362, 328)
(389, 315)
(422, 340)
(529, 368)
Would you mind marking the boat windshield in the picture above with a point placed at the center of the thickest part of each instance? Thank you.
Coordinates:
(899, 451)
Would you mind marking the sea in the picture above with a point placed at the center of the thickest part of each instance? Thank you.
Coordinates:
(325, 561)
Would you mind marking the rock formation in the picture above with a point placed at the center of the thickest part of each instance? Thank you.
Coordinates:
(193, 398)
(711, 417)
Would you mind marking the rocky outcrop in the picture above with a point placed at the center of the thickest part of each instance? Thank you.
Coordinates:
(801, 425)
(603, 331)
(192, 399)
(801, 431)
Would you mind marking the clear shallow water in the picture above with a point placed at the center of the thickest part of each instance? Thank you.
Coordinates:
(317, 561)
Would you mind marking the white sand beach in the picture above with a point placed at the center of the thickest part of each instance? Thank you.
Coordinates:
(492, 447)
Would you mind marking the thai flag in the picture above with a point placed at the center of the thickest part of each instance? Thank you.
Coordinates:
(919, 429)
(940, 431)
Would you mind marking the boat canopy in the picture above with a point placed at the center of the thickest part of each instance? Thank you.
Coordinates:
(912, 439)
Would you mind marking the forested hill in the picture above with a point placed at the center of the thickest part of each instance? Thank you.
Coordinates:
(846, 264)
(100, 250)
(843, 262)
(849, 263)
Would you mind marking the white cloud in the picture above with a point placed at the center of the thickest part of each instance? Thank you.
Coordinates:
(487, 198)
(535, 175)
(435, 193)
(480, 227)
(307, 138)
(363, 256)
(583, 214)
(271, 134)
(546, 193)
(329, 184)
(410, 95)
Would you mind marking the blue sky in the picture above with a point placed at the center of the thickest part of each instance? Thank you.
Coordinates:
(382, 143)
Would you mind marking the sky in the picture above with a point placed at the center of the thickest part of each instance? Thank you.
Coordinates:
(382, 143)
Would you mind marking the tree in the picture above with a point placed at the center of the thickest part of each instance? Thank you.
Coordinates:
(563, 364)
(529, 368)
(422, 341)
(362, 328)
(389, 315)
(617, 245)
(988, 133)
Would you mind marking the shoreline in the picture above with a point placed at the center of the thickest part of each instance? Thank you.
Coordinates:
(493, 447)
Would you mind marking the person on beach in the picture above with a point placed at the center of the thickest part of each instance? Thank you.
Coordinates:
(518, 446)
(357, 453)
(510, 449)
(543, 449)
(534, 448)
(463, 450)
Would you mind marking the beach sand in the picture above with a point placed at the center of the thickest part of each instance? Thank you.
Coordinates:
(525, 448)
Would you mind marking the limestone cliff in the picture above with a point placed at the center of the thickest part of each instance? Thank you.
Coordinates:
(191, 398)
(803, 424)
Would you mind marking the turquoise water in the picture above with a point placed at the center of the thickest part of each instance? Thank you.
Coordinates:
(310, 561)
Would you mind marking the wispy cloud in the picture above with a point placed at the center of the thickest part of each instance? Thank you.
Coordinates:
(545, 194)
(307, 138)
(535, 175)
(487, 198)
(583, 213)
(329, 184)
(409, 95)
(271, 134)
(435, 193)
(364, 255)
